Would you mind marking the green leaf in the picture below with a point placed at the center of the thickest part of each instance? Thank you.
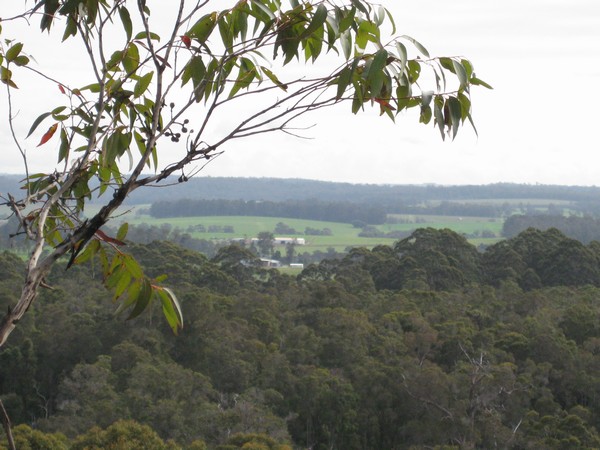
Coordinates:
(367, 31)
(414, 70)
(56, 112)
(6, 77)
(358, 4)
(133, 266)
(346, 42)
(375, 75)
(241, 24)
(455, 114)
(246, 74)
(274, 78)
(133, 291)
(357, 101)
(131, 62)
(142, 84)
(202, 29)
(92, 11)
(317, 21)
(196, 71)
(426, 114)
(21, 60)
(468, 67)
(402, 54)
(391, 19)
(14, 51)
(448, 64)
(115, 59)
(143, 35)
(171, 309)
(122, 233)
(89, 251)
(70, 29)
(344, 80)
(37, 122)
(122, 285)
(439, 117)
(226, 32)
(465, 104)
(461, 73)
(94, 87)
(264, 9)
(142, 300)
(126, 20)
(403, 95)
(418, 45)
(477, 82)
(63, 151)
(115, 276)
(161, 278)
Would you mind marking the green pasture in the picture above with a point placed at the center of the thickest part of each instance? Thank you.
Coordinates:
(344, 235)
(466, 225)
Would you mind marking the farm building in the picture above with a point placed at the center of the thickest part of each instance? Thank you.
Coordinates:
(288, 240)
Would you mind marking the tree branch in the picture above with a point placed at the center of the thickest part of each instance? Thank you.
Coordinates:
(7, 427)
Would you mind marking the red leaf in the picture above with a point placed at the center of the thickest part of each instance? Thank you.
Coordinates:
(187, 41)
(106, 238)
(46, 137)
(384, 104)
(61, 88)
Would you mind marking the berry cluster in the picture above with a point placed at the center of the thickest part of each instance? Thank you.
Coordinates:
(175, 137)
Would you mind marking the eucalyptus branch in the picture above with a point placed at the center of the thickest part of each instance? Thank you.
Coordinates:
(14, 136)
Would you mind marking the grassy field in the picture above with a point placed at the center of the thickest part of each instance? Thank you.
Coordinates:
(344, 235)
(466, 225)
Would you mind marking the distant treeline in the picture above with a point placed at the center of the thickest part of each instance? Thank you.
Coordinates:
(333, 211)
(584, 229)
(310, 209)
(389, 196)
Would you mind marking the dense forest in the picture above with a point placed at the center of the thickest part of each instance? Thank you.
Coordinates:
(312, 209)
(424, 344)
(584, 229)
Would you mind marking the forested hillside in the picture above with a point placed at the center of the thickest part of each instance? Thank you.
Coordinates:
(395, 196)
(426, 344)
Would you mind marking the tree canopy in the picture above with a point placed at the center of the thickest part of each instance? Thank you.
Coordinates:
(151, 95)
(375, 350)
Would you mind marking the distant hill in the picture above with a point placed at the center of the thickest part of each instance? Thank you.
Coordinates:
(391, 197)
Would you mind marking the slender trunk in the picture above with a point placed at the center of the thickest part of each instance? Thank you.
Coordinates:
(7, 427)
(13, 315)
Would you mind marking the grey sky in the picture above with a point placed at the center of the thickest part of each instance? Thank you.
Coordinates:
(539, 125)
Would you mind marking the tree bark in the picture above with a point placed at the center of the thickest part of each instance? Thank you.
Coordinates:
(13, 315)
(7, 427)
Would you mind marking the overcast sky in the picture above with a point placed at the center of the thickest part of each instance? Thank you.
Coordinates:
(540, 124)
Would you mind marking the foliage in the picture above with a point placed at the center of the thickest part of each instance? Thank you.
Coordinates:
(145, 82)
(27, 438)
(584, 229)
(122, 435)
(352, 354)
